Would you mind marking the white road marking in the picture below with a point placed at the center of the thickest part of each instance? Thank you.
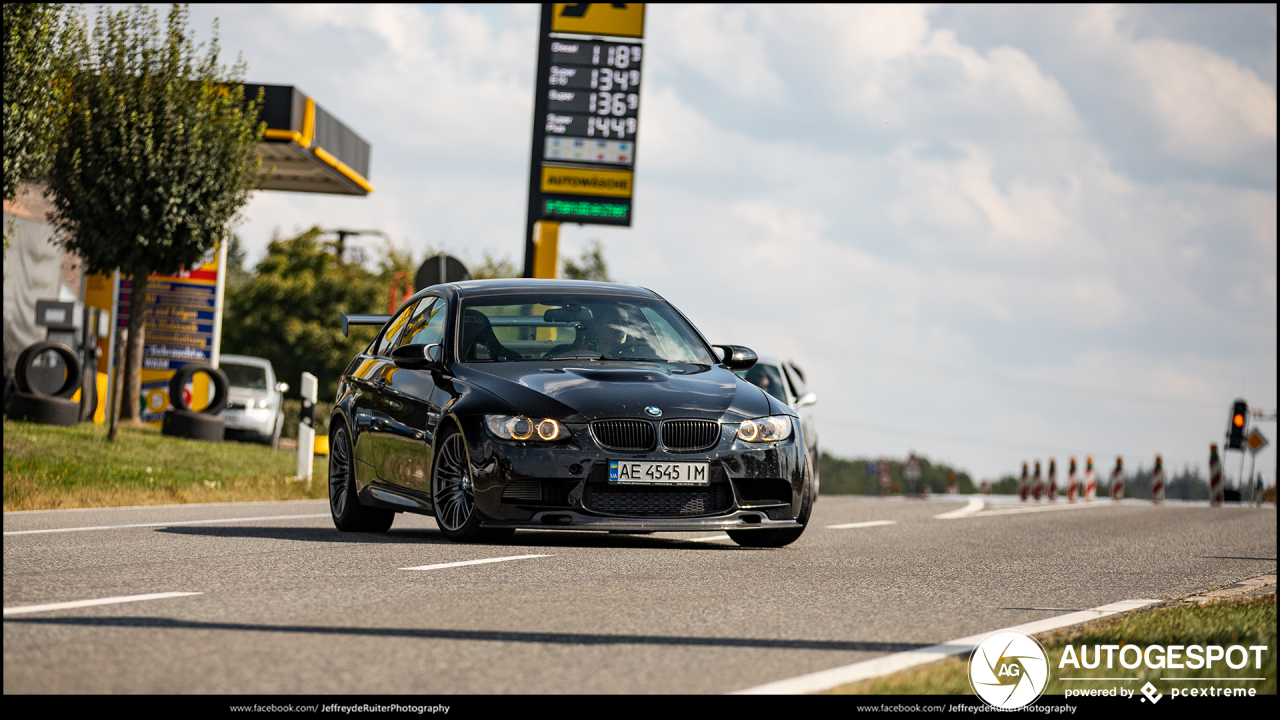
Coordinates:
(873, 523)
(827, 679)
(28, 609)
(473, 562)
(975, 505)
(709, 538)
(164, 524)
(1039, 508)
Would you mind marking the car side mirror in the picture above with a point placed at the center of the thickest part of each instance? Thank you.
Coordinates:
(806, 399)
(416, 356)
(737, 357)
(282, 387)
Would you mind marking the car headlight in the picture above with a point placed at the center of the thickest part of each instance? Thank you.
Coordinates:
(261, 404)
(765, 429)
(519, 427)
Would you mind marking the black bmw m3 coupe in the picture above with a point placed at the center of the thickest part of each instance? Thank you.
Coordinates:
(502, 404)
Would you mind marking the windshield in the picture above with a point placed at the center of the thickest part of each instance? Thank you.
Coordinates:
(253, 377)
(589, 327)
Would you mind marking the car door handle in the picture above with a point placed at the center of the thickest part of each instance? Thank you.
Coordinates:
(379, 384)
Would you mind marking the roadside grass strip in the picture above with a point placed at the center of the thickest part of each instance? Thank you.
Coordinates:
(75, 604)
(164, 524)
(47, 467)
(871, 523)
(442, 566)
(828, 679)
(1247, 622)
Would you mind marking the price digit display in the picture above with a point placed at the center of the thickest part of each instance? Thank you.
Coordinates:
(586, 114)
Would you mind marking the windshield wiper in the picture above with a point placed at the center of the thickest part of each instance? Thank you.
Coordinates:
(635, 359)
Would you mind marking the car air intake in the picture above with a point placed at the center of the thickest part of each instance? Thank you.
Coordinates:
(651, 502)
(690, 435)
(624, 435)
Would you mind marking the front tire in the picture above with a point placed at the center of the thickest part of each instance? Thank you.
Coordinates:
(344, 502)
(784, 536)
(453, 496)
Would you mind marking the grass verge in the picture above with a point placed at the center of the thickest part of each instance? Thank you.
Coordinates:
(1230, 622)
(48, 467)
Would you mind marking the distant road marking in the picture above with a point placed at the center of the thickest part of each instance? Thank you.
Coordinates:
(975, 505)
(441, 566)
(873, 523)
(163, 524)
(28, 609)
(827, 679)
(1039, 508)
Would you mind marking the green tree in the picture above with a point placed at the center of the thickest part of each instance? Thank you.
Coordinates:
(288, 312)
(159, 153)
(590, 266)
(34, 90)
(494, 267)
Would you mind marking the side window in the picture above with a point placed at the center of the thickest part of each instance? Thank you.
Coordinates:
(426, 327)
(388, 339)
(795, 378)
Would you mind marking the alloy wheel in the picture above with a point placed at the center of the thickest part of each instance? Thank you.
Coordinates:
(339, 472)
(452, 491)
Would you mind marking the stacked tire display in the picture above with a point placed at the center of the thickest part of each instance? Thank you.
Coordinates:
(32, 403)
(205, 424)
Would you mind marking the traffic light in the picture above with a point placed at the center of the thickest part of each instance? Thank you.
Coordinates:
(1235, 431)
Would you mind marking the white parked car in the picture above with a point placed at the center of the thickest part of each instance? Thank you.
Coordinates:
(253, 400)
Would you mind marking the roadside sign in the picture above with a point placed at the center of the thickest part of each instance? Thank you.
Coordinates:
(911, 470)
(1255, 441)
(586, 114)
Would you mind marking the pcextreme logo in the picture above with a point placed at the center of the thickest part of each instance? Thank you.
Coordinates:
(1009, 670)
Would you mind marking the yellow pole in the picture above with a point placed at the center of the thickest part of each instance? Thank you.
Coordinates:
(546, 248)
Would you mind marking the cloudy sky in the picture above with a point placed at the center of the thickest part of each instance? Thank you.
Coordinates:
(988, 234)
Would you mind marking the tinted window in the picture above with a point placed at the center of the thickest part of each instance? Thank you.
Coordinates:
(795, 377)
(426, 327)
(253, 377)
(553, 326)
(765, 377)
(387, 341)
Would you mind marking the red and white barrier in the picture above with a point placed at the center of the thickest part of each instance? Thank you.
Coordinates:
(1052, 493)
(985, 487)
(1023, 487)
(1037, 485)
(1157, 482)
(1215, 477)
(1090, 481)
(1073, 483)
(951, 483)
(1117, 481)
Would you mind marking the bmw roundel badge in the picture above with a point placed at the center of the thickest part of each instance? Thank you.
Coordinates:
(653, 411)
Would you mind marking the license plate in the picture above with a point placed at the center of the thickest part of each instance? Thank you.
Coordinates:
(665, 473)
(231, 417)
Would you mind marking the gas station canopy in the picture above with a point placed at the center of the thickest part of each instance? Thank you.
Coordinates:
(306, 149)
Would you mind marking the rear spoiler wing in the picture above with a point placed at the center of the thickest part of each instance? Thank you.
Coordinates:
(361, 319)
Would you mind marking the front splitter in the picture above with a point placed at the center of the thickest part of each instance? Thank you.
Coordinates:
(572, 520)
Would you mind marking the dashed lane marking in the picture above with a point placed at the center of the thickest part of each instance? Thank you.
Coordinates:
(441, 566)
(873, 523)
(74, 604)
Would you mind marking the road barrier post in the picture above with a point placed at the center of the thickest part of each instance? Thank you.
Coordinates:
(1052, 492)
(1117, 481)
(1022, 484)
(1157, 482)
(951, 483)
(307, 427)
(1090, 481)
(1073, 483)
(1215, 477)
(1037, 484)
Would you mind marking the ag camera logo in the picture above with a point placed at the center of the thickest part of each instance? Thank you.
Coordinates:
(1009, 670)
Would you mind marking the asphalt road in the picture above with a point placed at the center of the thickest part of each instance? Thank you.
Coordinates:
(289, 605)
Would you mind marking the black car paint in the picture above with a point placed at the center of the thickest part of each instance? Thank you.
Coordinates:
(397, 417)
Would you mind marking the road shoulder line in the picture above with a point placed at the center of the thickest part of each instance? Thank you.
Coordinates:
(74, 604)
(867, 669)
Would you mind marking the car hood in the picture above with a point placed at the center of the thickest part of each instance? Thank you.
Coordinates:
(596, 390)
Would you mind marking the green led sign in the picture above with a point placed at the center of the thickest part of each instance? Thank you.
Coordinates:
(584, 208)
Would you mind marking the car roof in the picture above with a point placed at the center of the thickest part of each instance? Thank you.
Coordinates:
(513, 286)
(245, 360)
